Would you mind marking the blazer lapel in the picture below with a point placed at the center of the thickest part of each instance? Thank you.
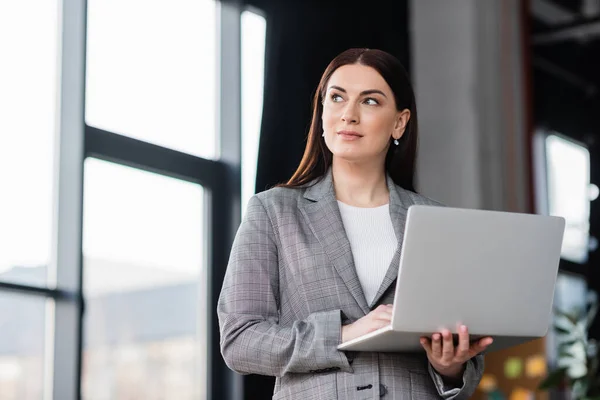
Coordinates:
(400, 201)
(323, 216)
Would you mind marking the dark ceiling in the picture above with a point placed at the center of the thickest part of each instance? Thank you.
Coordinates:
(565, 55)
(565, 41)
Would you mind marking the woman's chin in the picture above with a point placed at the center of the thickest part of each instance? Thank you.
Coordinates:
(353, 156)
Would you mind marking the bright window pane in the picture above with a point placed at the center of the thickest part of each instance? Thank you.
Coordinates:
(253, 66)
(28, 100)
(22, 333)
(151, 71)
(568, 193)
(144, 273)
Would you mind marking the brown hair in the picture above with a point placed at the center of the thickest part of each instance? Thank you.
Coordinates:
(400, 160)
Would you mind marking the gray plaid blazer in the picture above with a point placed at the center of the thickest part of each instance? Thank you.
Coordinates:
(289, 287)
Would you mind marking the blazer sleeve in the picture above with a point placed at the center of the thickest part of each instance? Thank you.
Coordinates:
(252, 341)
(470, 381)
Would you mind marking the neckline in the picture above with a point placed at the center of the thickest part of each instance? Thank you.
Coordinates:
(348, 206)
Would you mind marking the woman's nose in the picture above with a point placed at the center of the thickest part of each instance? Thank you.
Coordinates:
(350, 115)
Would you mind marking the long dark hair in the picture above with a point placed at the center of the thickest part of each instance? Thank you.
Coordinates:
(400, 160)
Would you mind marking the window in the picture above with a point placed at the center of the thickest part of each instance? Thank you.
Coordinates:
(27, 136)
(157, 218)
(144, 256)
(253, 66)
(564, 190)
(22, 346)
(151, 72)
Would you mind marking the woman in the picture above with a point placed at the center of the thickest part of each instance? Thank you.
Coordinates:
(315, 261)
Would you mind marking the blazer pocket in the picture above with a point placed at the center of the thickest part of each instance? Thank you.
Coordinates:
(422, 387)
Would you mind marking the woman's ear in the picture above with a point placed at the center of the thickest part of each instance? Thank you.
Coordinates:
(402, 118)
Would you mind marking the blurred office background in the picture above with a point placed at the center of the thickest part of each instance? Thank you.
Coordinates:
(132, 134)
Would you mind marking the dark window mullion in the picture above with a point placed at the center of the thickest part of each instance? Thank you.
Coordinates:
(37, 290)
(149, 157)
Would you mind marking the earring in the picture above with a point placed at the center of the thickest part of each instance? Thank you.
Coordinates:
(323, 134)
(396, 142)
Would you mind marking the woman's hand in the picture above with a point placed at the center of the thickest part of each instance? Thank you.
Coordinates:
(376, 319)
(447, 360)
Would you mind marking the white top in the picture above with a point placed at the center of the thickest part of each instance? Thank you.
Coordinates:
(373, 243)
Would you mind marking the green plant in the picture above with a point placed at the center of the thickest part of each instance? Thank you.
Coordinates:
(577, 361)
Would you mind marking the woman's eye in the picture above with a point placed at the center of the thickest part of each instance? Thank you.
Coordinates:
(336, 98)
(371, 102)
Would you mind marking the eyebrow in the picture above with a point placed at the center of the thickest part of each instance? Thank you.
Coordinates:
(363, 93)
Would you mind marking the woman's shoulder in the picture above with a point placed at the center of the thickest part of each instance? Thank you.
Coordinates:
(280, 197)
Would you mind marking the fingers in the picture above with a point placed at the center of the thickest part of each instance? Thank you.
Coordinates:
(383, 312)
(447, 345)
(378, 318)
(462, 351)
(426, 343)
(480, 346)
(378, 324)
(447, 358)
(442, 347)
(436, 345)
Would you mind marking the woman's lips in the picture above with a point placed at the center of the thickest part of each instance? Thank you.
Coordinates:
(349, 135)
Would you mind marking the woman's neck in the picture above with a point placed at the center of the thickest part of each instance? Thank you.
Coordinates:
(360, 185)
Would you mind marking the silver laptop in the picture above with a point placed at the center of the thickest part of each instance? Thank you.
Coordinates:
(492, 271)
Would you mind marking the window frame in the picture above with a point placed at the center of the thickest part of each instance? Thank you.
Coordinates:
(541, 179)
(76, 141)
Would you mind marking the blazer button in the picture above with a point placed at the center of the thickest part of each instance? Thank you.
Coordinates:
(382, 390)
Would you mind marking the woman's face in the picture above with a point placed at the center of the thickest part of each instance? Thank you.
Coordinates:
(360, 118)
